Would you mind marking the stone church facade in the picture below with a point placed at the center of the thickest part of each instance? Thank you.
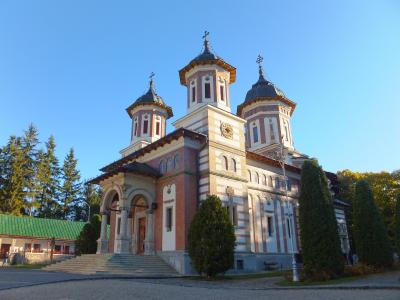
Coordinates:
(153, 191)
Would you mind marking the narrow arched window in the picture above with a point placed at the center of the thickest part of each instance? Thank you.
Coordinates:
(257, 178)
(264, 182)
(162, 166)
(170, 164)
(176, 161)
(270, 181)
(277, 185)
(249, 175)
(233, 164)
(225, 162)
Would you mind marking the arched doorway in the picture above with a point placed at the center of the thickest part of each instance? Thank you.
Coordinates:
(138, 216)
(112, 221)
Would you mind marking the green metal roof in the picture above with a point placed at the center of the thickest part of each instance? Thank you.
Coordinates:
(39, 228)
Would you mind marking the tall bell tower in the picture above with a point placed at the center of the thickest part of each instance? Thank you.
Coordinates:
(148, 114)
(207, 78)
(268, 112)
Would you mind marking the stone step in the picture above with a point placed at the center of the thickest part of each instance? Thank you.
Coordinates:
(123, 264)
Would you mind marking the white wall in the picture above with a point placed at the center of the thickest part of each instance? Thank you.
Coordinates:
(169, 200)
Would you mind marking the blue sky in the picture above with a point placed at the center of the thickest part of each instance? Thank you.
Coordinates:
(72, 67)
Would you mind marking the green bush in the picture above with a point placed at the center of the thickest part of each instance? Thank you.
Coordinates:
(372, 242)
(321, 252)
(86, 242)
(211, 238)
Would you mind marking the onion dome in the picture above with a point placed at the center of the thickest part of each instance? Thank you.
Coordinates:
(150, 98)
(263, 88)
(207, 57)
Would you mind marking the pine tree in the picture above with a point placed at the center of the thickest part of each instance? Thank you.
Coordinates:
(320, 242)
(15, 190)
(70, 196)
(397, 227)
(48, 181)
(29, 164)
(211, 238)
(372, 241)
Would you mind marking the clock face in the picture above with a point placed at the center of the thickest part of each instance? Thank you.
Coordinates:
(227, 130)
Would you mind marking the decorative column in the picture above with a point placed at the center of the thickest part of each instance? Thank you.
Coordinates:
(149, 241)
(102, 242)
(122, 241)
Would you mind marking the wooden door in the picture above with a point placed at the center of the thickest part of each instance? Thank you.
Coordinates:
(141, 235)
(4, 249)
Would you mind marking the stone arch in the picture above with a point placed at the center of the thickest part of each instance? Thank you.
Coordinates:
(134, 193)
(109, 196)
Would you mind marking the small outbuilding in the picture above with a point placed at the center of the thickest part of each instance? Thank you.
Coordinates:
(34, 240)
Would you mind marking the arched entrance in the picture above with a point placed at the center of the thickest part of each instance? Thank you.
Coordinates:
(138, 224)
(109, 210)
(112, 221)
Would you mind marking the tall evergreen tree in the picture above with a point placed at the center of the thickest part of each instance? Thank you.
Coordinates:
(15, 189)
(71, 193)
(372, 241)
(320, 242)
(29, 162)
(48, 181)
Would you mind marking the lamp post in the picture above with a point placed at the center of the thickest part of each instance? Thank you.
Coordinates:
(88, 217)
(281, 156)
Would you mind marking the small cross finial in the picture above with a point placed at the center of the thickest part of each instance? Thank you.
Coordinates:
(151, 80)
(259, 60)
(205, 36)
(206, 43)
(152, 75)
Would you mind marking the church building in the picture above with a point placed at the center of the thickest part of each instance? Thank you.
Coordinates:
(245, 157)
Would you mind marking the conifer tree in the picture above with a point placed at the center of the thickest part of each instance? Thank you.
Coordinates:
(86, 243)
(15, 190)
(320, 242)
(211, 238)
(48, 181)
(70, 196)
(29, 162)
(371, 238)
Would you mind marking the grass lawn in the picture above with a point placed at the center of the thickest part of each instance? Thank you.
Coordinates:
(28, 266)
(240, 276)
(285, 282)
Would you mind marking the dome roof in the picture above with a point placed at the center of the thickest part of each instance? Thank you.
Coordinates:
(204, 58)
(263, 88)
(150, 98)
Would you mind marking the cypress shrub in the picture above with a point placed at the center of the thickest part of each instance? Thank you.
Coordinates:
(321, 252)
(86, 243)
(211, 238)
(371, 238)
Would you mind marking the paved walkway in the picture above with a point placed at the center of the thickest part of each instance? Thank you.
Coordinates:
(37, 284)
(131, 289)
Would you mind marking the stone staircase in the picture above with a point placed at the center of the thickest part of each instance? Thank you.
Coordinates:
(115, 264)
